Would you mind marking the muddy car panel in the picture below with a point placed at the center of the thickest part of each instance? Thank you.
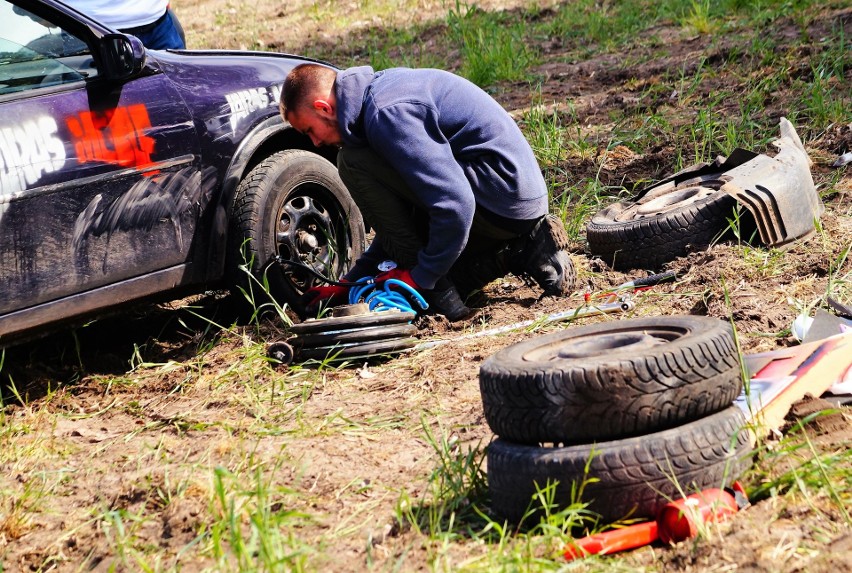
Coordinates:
(91, 202)
(111, 191)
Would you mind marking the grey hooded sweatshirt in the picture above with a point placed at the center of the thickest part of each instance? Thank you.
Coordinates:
(453, 144)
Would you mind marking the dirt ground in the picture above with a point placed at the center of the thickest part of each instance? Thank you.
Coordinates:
(184, 411)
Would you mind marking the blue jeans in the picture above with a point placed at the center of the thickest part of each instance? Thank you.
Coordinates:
(166, 33)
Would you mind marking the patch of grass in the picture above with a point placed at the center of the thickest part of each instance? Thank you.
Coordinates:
(457, 485)
(596, 26)
(546, 132)
(795, 467)
(454, 512)
(823, 101)
(339, 423)
(839, 284)
(239, 16)
(256, 526)
(406, 50)
(25, 501)
(493, 47)
(699, 18)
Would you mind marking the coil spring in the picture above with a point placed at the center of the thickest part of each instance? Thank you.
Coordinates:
(383, 297)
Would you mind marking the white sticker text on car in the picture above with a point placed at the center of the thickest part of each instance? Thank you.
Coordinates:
(27, 152)
(244, 102)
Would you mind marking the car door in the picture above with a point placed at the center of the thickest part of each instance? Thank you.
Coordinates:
(99, 180)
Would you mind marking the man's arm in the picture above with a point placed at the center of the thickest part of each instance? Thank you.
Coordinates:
(408, 136)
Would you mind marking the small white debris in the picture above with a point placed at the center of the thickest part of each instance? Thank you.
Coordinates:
(365, 372)
(843, 159)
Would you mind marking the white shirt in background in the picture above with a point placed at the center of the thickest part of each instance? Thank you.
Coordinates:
(121, 14)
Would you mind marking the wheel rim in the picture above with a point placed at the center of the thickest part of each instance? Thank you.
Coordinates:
(603, 344)
(678, 198)
(308, 228)
(281, 351)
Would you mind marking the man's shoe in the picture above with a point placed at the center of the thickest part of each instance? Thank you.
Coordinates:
(472, 273)
(544, 258)
(447, 302)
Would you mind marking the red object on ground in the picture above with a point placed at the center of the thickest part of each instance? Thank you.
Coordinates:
(676, 521)
(613, 541)
(329, 293)
(681, 519)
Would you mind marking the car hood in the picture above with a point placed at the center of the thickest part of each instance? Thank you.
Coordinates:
(229, 92)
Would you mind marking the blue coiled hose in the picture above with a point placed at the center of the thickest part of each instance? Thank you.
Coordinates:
(383, 297)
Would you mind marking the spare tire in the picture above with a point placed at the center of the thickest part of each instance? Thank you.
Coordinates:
(611, 380)
(667, 221)
(626, 478)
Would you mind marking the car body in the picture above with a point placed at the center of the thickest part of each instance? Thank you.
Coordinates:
(128, 173)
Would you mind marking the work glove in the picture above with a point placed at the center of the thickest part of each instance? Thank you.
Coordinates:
(330, 295)
(403, 275)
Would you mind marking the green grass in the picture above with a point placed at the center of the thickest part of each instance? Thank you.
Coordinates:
(256, 526)
(493, 46)
(808, 473)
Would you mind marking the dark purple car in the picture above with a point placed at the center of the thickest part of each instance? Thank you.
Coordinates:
(127, 174)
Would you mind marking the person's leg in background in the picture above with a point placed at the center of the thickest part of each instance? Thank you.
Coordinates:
(485, 257)
(166, 33)
(177, 25)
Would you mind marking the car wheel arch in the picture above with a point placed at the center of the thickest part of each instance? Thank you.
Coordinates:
(268, 137)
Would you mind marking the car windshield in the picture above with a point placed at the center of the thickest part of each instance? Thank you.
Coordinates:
(36, 53)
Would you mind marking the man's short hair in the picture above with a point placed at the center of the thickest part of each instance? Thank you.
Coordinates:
(304, 81)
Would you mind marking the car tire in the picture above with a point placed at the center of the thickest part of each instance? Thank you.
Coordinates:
(610, 380)
(294, 206)
(667, 222)
(626, 478)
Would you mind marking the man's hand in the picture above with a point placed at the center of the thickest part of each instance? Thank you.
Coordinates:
(330, 295)
(403, 275)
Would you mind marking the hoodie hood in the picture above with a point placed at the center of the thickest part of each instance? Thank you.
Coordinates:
(350, 90)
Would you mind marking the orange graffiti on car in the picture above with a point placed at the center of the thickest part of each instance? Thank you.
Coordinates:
(116, 136)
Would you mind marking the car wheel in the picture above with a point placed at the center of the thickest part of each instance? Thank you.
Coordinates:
(293, 206)
(626, 478)
(667, 222)
(610, 380)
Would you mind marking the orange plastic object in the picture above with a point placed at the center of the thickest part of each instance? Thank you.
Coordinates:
(681, 519)
(612, 541)
(676, 521)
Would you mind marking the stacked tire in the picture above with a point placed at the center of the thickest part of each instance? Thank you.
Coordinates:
(634, 413)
